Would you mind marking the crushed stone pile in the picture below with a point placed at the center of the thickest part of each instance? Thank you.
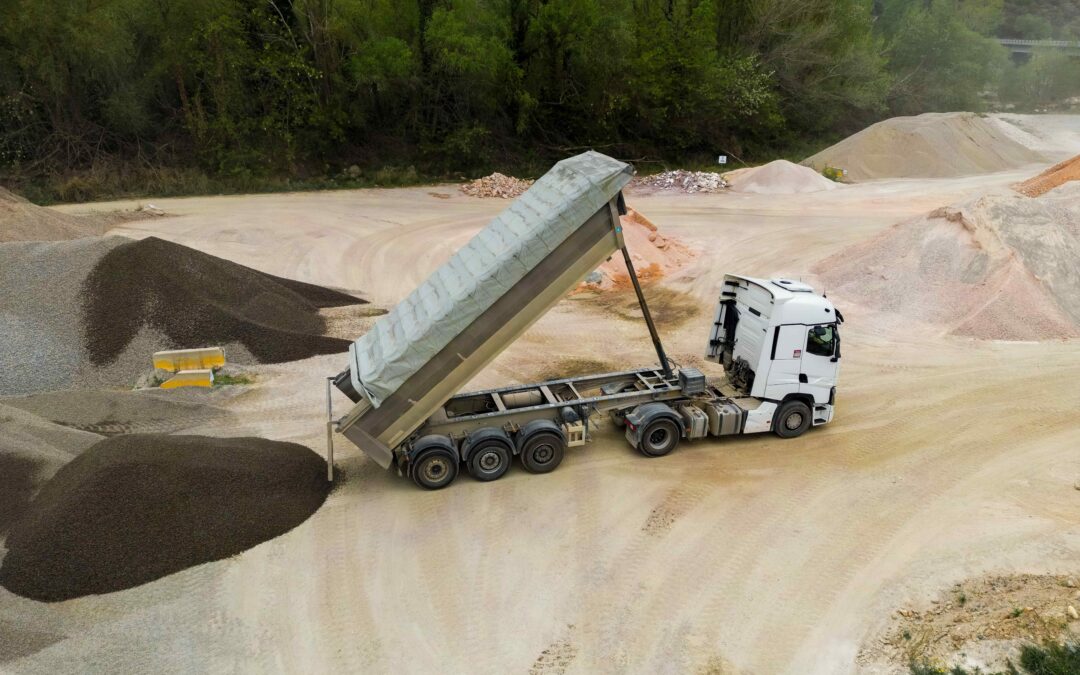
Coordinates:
(1055, 176)
(654, 255)
(32, 449)
(22, 221)
(781, 178)
(110, 413)
(89, 313)
(931, 145)
(993, 267)
(135, 508)
(497, 185)
(681, 181)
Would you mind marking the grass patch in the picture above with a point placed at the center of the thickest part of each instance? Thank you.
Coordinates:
(225, 380)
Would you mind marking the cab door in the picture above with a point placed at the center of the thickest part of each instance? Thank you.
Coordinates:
(820, 362)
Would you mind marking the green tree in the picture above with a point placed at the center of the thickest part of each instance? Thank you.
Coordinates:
(939, 63)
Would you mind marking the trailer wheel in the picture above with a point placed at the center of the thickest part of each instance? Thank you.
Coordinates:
(434, 469)
(489, 460)
(792, 419)
(542, 452)
(659, 438)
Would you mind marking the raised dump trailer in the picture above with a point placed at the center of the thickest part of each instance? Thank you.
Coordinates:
(403, 376)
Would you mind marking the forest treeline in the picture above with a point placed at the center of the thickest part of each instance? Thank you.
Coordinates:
(102, 95)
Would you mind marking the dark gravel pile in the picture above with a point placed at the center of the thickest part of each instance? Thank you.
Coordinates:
(135, 508)
(196, 299)
(16, 487)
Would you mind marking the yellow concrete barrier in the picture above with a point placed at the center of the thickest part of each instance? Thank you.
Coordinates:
(190, 359)
(190, 378)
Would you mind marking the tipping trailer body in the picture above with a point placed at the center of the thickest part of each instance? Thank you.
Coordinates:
(488, 293)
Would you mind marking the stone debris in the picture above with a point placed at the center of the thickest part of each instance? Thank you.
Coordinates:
(497, 185)
(683, 181)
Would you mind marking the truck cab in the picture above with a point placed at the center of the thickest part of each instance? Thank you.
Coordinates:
(778, 341)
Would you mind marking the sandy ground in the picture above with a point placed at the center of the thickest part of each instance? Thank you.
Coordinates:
(949, 458)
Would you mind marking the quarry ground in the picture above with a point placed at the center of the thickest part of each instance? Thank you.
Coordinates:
(949, 459)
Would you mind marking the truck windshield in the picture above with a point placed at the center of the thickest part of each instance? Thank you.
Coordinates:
(821, 340)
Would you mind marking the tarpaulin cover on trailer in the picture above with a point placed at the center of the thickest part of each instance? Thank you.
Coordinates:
(403, 341)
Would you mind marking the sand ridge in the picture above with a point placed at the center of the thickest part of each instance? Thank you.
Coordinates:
(931, 145)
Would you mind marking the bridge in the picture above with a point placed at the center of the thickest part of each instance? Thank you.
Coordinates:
(1029, 46)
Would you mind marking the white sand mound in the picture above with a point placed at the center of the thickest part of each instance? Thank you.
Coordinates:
(780, 178)
(932, 145)
(995, 267)
(22, 221)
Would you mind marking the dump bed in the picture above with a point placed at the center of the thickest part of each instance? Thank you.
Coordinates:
(469, 310)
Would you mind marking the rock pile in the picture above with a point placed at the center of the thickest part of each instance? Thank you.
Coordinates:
(497, 185)
(682, 181)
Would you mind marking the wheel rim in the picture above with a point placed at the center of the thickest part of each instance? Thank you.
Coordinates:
(435, 469)
(794, 421)
(659, 438)
(490, 461)
(543, 453)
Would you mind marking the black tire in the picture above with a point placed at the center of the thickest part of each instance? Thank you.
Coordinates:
(659, 437)
(434, 469)
(489, 460)
(792, 419)
(543, 452)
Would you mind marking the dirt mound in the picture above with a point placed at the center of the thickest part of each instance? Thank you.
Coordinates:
(22, 221)
(653, 254)
(995, 267)
(679, 180)
(135, 508)
(1055, 176)
(781, 178)
(931, 145)
(497, 185)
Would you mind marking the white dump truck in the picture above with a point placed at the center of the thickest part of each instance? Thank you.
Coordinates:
(777, 340)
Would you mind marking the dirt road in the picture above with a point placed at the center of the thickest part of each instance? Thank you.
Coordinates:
(948, 458)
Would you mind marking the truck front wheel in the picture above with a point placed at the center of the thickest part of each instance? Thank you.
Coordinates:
(542, 452)
(792, 419)
(659, 438)
(434, 469)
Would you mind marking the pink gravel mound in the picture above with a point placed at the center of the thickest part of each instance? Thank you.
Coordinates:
(995, 267)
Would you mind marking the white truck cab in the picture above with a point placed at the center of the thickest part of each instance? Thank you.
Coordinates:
(779, 342)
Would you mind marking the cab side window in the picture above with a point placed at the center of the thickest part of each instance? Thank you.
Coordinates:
(821, 340)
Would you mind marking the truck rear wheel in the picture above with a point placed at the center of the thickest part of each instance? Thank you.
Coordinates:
(489, 460)
(542, 452)
(659, 438)
(434, 469)
(792, 419)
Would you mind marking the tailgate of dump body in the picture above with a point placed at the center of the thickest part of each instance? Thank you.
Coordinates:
(470, 309)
